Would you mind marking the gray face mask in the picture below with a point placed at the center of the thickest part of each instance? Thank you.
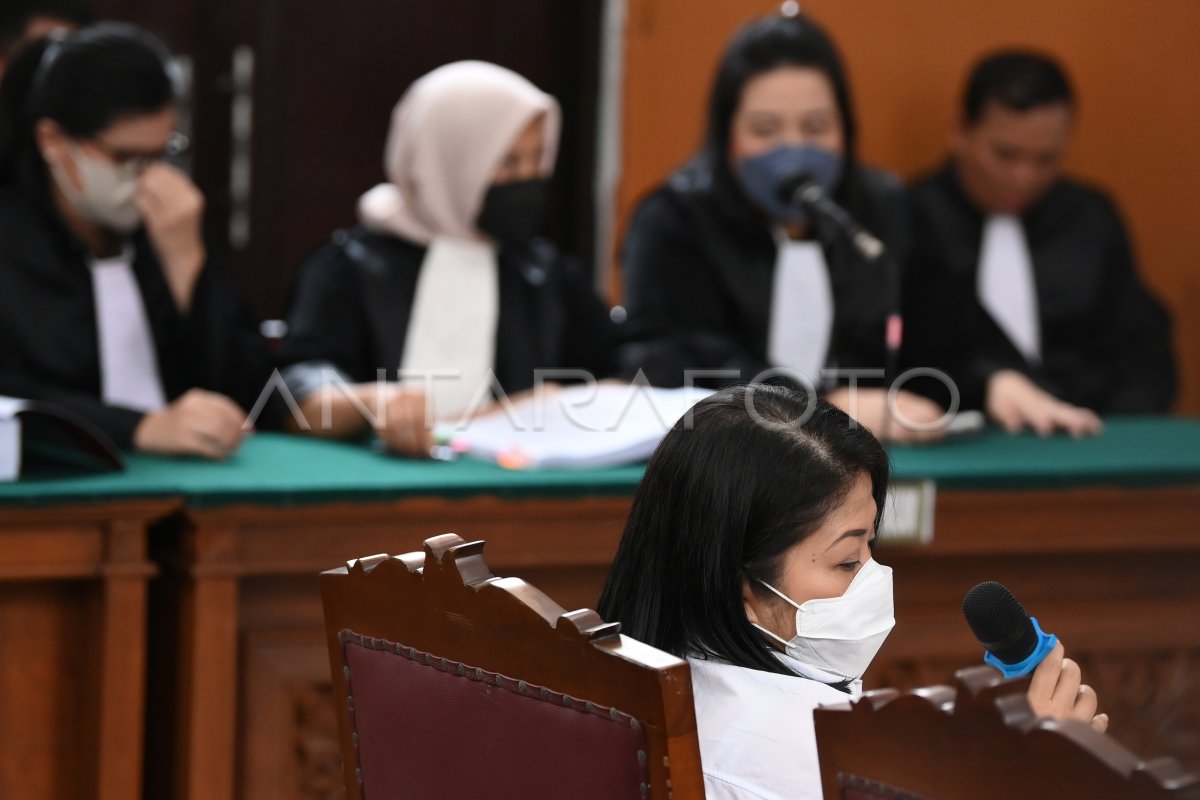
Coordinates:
(106, 197)
(762, 175)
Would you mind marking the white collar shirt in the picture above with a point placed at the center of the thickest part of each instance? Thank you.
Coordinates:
(757, 740)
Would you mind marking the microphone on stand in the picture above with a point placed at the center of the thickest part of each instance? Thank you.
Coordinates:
(801, 191)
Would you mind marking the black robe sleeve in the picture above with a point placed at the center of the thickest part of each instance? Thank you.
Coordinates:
(215, 345)
(1106, 341)
(1134, 333)
(954, 333)
(680, 316)
(117, 423)
(328, 326)
(49, 348)
(590, 338)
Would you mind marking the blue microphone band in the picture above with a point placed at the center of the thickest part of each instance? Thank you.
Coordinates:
(1046, 642)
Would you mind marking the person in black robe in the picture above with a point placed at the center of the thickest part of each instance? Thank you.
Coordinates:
(158, 354)
(1056, 327)
(705, 253)
(444, 274)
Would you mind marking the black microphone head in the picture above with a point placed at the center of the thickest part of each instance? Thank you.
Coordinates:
(791, 188)
(999, 622)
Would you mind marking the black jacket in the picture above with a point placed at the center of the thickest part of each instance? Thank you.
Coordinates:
(1106, 341)
(699, 268)
(351, 302)
(48, 338)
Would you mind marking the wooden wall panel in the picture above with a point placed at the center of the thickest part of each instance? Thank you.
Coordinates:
(41, 623)
(73, 649)
(1135, 66)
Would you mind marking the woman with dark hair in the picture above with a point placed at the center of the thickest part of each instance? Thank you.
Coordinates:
(444, 294)
(748, 551)
(107, 304)
(725, 277)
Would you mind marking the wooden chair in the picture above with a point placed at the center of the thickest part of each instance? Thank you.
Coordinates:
(453, 683)
(979, 741)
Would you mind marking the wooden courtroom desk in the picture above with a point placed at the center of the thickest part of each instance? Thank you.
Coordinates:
(1099, 538)
(73, 646)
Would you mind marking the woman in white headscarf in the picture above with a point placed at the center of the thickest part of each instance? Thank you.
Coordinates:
(443, 296)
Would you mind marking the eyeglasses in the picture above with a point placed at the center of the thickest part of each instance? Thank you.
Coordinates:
(177, 145)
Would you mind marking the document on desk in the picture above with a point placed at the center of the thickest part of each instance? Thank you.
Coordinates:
(38, 438)
(586, 426)
(10, 439)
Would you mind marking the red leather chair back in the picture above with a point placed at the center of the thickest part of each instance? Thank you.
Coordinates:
(457, 730)
(452, 683)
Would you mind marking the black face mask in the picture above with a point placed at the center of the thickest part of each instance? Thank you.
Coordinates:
(513, 212)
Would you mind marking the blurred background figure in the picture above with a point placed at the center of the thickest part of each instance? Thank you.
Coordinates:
(721, 274)
(1023, 283)
(445, 271)
(108, 305)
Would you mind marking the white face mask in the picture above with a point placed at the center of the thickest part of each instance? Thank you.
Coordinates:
(841, 635)
(106, 197)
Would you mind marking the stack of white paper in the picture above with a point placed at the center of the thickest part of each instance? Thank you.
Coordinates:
(580, 426)
(10, 438)
(35, 435)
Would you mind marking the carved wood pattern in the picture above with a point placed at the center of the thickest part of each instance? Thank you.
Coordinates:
(318, 760)
(1152, 699)
(963, 741)
(289, 748)
(446, 601)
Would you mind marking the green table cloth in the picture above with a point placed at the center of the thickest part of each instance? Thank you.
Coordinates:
(278, 470)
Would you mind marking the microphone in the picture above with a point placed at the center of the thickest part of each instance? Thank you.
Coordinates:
(1014, 641)
(800, 190)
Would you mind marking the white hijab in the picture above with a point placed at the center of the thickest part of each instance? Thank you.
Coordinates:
(449, 132)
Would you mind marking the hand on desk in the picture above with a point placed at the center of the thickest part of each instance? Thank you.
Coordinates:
(1015, 402)
(869, 408)
(199, 423)
(345, 412)
(405, 430)
(1057, 691)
